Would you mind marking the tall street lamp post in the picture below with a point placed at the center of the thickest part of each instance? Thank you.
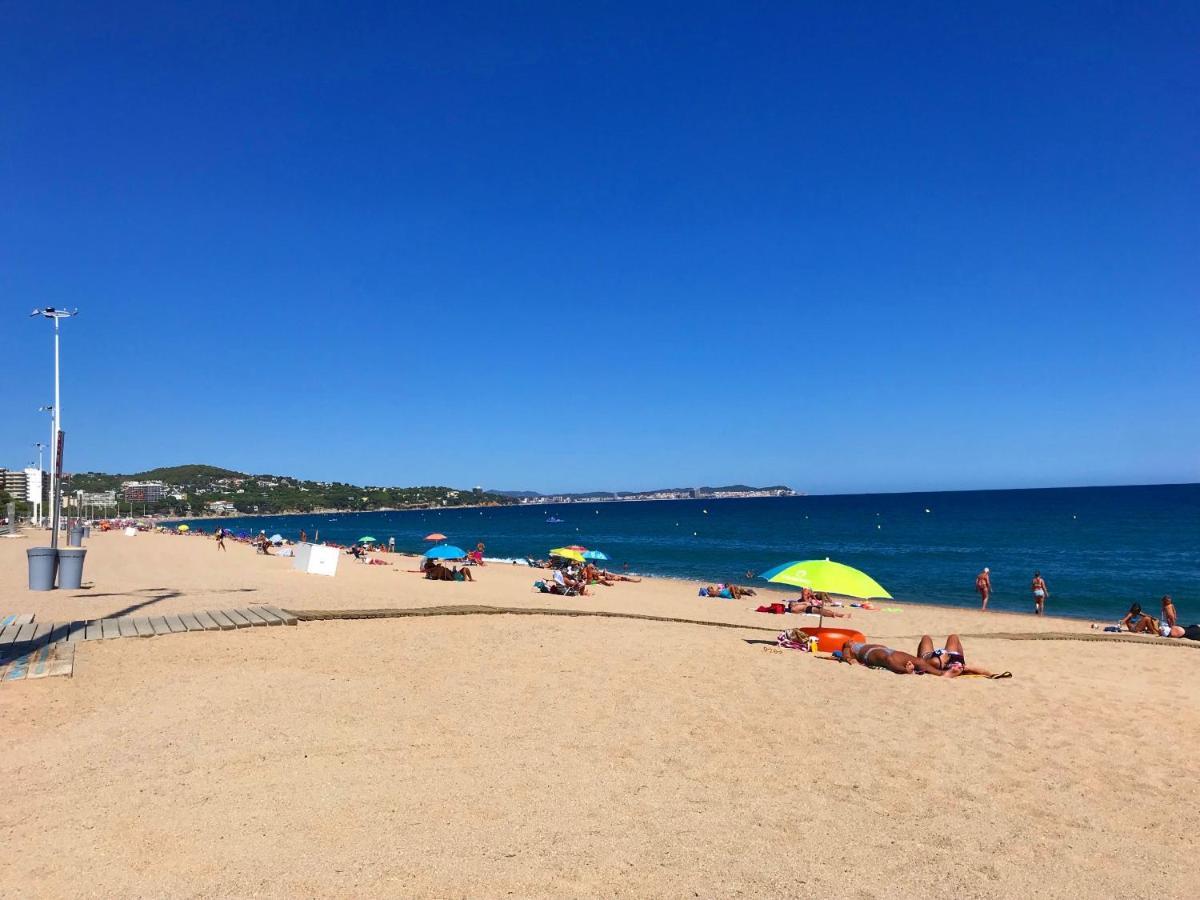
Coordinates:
(55, 488)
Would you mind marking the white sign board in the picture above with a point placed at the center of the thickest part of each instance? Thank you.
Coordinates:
(315, 559)
(130, 531)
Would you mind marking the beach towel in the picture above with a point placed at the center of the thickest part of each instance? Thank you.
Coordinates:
(776, 608)
(792, 640)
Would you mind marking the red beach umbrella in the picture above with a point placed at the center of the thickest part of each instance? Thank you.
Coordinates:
(436, 536)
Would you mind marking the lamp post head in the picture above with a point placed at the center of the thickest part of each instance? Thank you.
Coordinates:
(51, 313)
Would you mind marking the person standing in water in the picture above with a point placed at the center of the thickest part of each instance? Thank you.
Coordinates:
(983, 585)
(1040, 594)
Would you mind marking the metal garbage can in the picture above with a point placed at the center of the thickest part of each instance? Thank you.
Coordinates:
(70, 567)
(87, 531)
(43, 566)
(75, 537)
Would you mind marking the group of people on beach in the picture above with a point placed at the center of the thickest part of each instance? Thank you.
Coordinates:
(1138, 622)
(983, 587)
(569, 578)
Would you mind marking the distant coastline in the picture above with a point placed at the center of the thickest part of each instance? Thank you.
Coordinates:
(540, 501)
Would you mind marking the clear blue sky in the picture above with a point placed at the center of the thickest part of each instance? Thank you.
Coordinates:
(566, 246)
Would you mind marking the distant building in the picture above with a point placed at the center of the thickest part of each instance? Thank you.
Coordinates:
(15, 482)
(99, 498)
(144, 491)
(220, 507)
(37, 487)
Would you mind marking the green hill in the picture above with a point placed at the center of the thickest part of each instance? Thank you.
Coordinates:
(192, 474)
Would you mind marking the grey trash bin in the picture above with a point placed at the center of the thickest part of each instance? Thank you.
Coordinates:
(87, 531)
(75, 537)
(70, 567)
(43, 565)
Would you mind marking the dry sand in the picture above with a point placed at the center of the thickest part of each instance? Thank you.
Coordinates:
(539, 756)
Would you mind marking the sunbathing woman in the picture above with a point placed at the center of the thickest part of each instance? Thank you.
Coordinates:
(949, 657)
(592, 575)
(617, 577)
(818, 605)
(1137, 622)
(1191, 632)
(877, 656)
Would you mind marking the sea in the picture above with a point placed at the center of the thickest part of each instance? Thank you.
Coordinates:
(1099, 548)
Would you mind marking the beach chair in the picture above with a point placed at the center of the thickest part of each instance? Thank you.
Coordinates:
(560, 590)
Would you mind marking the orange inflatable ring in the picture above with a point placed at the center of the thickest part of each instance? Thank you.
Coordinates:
(830, 639)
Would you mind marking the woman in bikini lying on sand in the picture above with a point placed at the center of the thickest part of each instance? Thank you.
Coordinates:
(951, 656)
(948, 662)
(877, 656)
(816, 605)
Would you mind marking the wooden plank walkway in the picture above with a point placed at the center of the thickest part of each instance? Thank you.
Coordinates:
(38, 661)
(45, 649)
(21, 630)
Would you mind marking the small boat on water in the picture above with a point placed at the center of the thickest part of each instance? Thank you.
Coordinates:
(554, 520)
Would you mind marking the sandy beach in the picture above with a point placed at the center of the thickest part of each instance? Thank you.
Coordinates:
(549, 756)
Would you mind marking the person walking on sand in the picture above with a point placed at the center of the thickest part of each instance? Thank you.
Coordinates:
(1039, 594)
(221, 539)
(983, 585)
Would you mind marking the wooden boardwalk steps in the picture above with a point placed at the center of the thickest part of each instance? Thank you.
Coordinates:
(286, 617)
(223, 621)
(38, 661)
(207, 622)
(44, 649)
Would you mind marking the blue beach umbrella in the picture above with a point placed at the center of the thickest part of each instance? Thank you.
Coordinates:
(594, 554)
(446, 551)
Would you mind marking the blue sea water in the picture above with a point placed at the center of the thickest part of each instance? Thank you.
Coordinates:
(1098, 548)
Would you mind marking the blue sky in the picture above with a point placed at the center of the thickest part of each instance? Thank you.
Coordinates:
(847, 247)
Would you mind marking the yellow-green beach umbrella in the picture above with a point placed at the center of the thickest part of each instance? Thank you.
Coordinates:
(827, 576)
(568, 553)
(183, 528)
